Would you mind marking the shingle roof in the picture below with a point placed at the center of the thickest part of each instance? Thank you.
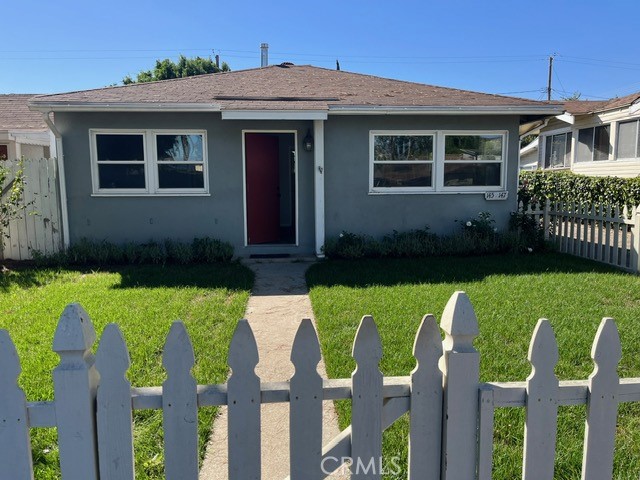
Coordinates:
(286, 87)
(15, 113)
(583, 107)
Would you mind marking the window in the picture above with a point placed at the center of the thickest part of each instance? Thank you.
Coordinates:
(421, 161)
(180, 161)
(593, 144)
(4, 152)
(403, 161)
(557, 151)
(628, 140)
(473, 160)
(149, 162)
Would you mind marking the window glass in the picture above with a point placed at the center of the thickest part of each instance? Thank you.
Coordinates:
(121, 175)
(402, 161)
(585, 145)
(402, 175)
(472, 174)
(473, 147)
(120, 148)
(4, 152)
(627, 139)
(180, 176)
(179, 148)
(601, 144)
(403, 147)
(558, 147)
(547, 151)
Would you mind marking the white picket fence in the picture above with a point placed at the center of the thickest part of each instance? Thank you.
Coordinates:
(39, 227)
(598, 232)
(451, 412)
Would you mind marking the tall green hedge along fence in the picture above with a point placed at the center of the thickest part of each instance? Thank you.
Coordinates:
(569, 187)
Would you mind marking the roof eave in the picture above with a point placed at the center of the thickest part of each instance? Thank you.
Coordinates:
(446, 110)
(122, 107)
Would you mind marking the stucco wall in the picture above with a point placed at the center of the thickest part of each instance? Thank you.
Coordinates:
(220, 215)
(350, 207)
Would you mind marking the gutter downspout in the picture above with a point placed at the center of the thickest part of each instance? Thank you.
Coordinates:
(62, 181)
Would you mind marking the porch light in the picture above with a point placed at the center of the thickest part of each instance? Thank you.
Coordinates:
(307, 141)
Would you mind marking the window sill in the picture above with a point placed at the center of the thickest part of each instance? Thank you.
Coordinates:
(439, 192)
(150, 195)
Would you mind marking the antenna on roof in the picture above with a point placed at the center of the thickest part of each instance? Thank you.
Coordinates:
(337, 65)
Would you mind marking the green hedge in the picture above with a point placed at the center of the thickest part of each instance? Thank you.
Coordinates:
(565, 186)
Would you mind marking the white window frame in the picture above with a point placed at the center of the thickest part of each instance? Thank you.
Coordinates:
(438, 162)
(617, 127)
(150, 163)
(401, 133)
(542, 145)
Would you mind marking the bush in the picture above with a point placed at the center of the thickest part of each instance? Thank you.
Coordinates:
(477, 236)
(103, 253)
(210, 250)
(536, 187)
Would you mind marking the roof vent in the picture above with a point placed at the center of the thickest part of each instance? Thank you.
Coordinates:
(286, 65)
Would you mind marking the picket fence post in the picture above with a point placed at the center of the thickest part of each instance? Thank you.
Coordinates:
(75, 381)
(460, 366)
(634, 263)
(15, 444)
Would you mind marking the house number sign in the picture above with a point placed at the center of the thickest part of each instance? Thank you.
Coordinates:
(496, 195)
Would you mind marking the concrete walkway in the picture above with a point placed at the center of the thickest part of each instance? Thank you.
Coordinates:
(278, 302)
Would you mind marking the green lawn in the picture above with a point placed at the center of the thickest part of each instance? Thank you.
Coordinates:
(144, 301)
(509, 294)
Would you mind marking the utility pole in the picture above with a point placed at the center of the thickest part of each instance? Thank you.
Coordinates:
(549, 82)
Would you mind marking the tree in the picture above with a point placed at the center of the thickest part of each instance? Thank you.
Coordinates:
(573, 96)
(185, 67)
(11, 190)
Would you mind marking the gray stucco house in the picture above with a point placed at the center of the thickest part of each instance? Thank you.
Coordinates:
(275, 159)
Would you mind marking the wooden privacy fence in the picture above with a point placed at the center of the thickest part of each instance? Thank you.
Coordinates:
(451, 412)
(598, 232)
(39, 228)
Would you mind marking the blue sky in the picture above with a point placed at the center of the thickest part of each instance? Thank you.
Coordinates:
(494, 46)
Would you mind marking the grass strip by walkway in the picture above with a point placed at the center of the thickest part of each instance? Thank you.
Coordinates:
(143, 301)
(509, 294)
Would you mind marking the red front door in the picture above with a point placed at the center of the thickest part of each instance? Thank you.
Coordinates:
(263, 200)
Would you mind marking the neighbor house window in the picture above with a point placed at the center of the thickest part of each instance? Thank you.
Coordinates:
(593, 144)
(403, 161)
(557, 151)
(4, 152)
(628, 140)
(418, 161)
(149, 162)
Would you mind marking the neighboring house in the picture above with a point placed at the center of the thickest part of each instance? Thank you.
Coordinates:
(529, 156)
(23, 133)
(594, 138)
(276, 159)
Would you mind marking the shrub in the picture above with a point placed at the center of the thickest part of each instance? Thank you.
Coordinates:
(477, 236)
(103, 253)
(210, 250)
(178, 252)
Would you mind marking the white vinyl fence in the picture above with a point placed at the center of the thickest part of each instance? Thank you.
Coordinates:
(451, 412)
(603, 233)
(39, 227)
